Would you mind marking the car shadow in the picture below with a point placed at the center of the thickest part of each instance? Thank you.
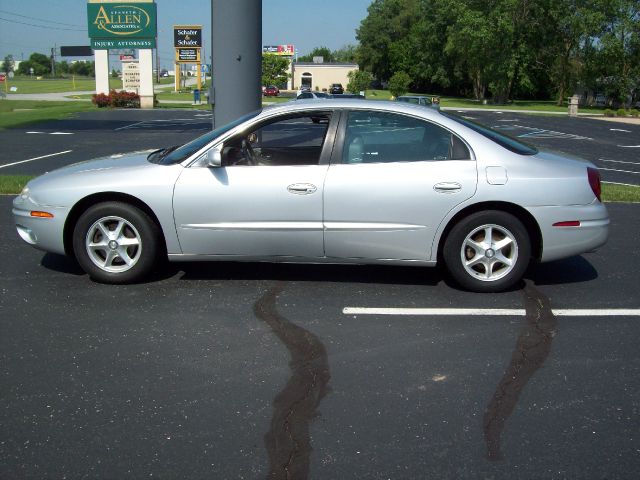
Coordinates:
(569, 270)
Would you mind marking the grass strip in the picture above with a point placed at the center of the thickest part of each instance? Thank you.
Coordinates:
(20, 113)
(13, 184)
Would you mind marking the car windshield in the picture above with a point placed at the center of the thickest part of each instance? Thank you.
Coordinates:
(501, 139)
(185, 151)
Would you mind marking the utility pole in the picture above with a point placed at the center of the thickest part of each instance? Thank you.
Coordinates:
(236, 59)
(53, 62)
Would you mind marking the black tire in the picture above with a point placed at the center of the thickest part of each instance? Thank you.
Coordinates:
(128, 251)
(481, 266)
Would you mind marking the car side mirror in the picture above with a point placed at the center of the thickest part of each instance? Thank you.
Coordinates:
(213, 158)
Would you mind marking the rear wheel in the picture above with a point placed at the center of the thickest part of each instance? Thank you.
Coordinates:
(116, 242)
(487, 251)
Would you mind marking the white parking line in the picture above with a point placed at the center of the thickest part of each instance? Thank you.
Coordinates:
(618, 161)
(620, 130)
(36, 158)
(614, 170)
(500, 312)
(629, 146)
(623, 184)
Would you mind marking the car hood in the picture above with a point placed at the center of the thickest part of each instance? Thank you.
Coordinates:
(130, 174)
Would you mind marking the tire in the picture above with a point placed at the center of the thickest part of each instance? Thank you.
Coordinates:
(116, 243)
(480, 266)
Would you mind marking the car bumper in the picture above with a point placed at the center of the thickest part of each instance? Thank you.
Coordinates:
(566, 241)
(42, 233)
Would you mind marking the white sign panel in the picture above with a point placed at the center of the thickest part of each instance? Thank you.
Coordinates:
(131, 76)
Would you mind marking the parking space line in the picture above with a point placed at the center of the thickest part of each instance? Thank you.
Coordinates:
(618, 161)
(491, 312)
(614, 170)
(36, 158)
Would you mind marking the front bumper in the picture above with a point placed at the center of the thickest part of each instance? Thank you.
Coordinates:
(43, 233)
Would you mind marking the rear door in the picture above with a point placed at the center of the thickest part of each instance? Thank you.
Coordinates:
(393, 181)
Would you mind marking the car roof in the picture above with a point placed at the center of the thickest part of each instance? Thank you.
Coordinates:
(352, 104)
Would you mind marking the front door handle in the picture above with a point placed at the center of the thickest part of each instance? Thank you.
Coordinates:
(447, 187)
(302, 188)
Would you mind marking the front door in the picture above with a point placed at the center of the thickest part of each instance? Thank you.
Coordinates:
(266, 199)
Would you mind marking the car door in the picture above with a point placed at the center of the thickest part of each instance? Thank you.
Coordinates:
(392, 181)
(266, 198)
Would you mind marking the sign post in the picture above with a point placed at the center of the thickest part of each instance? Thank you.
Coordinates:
(117, 24)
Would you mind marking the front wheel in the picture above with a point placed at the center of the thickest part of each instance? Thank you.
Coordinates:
(116, 242)
(487, 251)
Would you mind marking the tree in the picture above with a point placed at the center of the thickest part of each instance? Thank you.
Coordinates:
(359, 81)
(274, 70)
(323, 52)
(346, 54)
(399, 83)
(8, 64)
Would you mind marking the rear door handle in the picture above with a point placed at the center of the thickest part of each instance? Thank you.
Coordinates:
(447, 187)
(302, 188)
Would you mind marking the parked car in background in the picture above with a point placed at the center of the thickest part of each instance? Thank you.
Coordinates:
(341, 181)
(271, 91)
(310, 95)
(424, 100)
(348, 95)
(336, 89)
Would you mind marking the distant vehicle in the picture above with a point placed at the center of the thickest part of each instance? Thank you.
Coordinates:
(164, 73)
(305, 88)
(347, 95)
(271, 91)
(433, 102)
(336, 88)
(309, 95)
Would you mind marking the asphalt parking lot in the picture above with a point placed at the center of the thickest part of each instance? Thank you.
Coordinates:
(243, 371)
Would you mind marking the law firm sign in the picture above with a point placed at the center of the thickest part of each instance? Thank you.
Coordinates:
(121, 21)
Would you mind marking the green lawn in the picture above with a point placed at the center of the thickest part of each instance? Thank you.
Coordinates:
(56, 85)
(19, 113)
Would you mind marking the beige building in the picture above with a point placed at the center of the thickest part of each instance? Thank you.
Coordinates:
(320, 75)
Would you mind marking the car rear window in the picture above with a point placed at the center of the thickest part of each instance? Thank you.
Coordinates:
(501, 139)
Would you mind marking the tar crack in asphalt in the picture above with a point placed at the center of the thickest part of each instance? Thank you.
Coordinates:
(288, 441)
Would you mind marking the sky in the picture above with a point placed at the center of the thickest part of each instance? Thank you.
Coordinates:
(28, 26)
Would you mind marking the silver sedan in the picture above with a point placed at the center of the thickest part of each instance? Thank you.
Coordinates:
(347, 181)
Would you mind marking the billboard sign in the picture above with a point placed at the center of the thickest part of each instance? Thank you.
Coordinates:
(187, 36)
(121, 20)
(282, 50)
(104, 44)
(76, 51)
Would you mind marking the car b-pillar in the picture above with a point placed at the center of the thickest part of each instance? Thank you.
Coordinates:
(236, 59)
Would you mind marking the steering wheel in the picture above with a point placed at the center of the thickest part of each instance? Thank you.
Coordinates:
(248, 153)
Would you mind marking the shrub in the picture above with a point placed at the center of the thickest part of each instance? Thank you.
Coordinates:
(399, 83)
(608, 113)
(100, 100)
(117, 100)
(621, 112)
(634, 112)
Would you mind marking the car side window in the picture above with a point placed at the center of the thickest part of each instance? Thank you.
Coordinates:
(380, 137)
(291, 140)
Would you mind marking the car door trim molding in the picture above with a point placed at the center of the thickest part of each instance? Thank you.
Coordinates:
(255, 226)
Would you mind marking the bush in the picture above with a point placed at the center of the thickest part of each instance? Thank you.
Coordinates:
(621, 112)
(634, 113)
(116, 100)
(608, 113)
(399, 83)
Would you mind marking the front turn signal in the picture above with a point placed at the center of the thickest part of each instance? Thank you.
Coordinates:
(38, 214)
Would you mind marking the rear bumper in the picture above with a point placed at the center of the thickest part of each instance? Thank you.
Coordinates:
(562, 242)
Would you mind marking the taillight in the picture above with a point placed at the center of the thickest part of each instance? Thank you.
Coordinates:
(594, 182)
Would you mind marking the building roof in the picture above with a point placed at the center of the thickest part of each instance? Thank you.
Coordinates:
(325, 64)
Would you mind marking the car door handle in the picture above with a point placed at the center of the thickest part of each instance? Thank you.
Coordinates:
(447, 187)
(302, 188)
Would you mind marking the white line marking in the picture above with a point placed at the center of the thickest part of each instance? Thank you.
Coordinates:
(624, 184)
(618, 161)
(614, 170)
(36, 158)
(629, 146)
(61, 133)
(500, 312)
(127, 126)
(35, 132)
(619, 130)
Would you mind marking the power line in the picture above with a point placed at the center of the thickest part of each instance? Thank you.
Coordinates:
(40, 19)
(41, 26)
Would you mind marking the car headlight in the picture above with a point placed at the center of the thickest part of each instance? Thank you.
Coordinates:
(24, 194)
